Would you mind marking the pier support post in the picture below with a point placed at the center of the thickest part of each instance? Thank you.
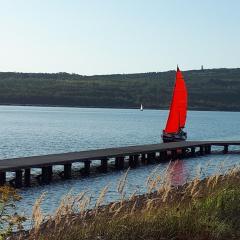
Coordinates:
(151, 157)
(119, 163)
(193, 152)
(104, 165)
(184, 152)
(86, 170)
(180, 153)
(225, 150)
(27, 177)
(133, 161)
(50, 173)
(46, 174)
(143, 158)
(136, 159)
(201, 150)
(208, 149)
(2, 178)
(18, 179)
(157, 157)
(67, 171)
(174, 154)
(169, 155)
(163, 156)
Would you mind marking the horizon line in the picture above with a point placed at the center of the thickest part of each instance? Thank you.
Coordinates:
(108, 74)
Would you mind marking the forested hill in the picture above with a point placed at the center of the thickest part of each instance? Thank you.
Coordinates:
(210, 89)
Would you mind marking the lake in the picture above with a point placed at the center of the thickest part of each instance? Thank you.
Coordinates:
(27, 131)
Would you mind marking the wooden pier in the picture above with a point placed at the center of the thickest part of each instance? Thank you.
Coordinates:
(123, 156)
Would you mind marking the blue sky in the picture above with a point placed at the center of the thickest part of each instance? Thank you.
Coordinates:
(118, 36)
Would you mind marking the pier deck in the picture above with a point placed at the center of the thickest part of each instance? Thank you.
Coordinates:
(145, 153)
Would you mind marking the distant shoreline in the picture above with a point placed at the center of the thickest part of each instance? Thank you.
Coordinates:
(109, 107)
(208, 90)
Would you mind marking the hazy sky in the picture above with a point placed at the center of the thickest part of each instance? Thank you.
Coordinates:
(118, 36)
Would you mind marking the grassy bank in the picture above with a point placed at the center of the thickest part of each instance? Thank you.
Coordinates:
(200, 209)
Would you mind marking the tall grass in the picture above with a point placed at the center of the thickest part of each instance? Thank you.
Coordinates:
(9, 219)
(200, 209)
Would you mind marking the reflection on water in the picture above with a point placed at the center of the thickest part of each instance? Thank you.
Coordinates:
(29, 131)
(177, 173)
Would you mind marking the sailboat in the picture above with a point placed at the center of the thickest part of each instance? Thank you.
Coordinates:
(173, 131)
(141, 107)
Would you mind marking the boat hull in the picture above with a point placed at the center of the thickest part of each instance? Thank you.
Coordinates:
(174, 137)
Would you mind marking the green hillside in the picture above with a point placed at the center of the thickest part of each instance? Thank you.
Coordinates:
(210, 89)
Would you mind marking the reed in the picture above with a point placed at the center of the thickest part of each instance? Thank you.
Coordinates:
(9, 219)
(200, 209)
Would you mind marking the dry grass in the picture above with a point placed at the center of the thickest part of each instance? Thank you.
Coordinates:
(9, 219)
(200, 209)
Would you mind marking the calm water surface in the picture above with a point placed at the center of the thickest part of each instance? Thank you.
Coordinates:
(27, 131)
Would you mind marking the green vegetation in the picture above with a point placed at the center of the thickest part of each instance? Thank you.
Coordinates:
(202, 209)
(210, 89)
(9, 220)
(215, 217)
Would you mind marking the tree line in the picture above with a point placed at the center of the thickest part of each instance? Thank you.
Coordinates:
(209, 89)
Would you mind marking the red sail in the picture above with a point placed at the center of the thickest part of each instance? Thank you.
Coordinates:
(178, 109)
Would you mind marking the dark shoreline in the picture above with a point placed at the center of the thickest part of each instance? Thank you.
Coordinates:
(110, 107)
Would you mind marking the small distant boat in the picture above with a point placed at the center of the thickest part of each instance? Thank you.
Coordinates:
(141, 108)
(173, 131)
